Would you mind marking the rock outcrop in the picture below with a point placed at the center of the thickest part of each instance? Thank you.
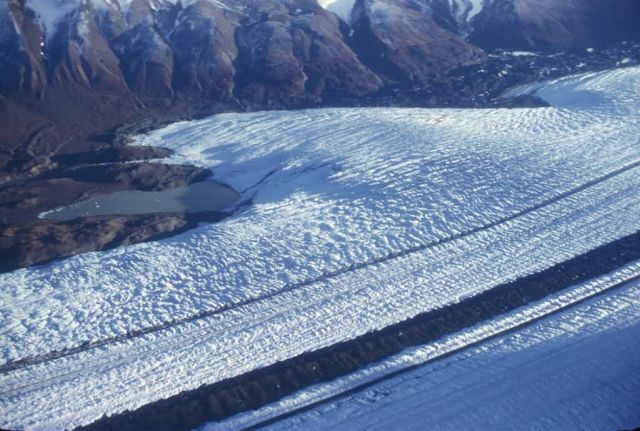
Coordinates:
(553, 25)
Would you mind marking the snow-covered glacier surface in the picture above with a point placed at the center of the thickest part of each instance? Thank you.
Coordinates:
(334, 199)
(574, 371)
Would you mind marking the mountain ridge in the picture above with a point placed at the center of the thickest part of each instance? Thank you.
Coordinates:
(72, 68)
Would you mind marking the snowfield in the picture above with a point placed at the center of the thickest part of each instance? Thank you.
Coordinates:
(353, 219)
(575, 371)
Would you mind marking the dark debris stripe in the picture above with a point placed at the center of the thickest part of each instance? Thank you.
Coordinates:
(371, 383)
(250, 391)
(89, 345)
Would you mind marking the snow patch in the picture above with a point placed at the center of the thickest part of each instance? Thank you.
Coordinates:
(466, 10)
(523, 54)
(342, 8)
(51, 12)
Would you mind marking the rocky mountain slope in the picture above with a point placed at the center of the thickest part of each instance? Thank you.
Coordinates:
(554, 25)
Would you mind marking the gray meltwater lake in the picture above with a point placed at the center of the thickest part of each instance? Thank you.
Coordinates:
(200, 197)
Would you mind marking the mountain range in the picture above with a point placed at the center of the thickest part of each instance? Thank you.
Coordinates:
(72, 68)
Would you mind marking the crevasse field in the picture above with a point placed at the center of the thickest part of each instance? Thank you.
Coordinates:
(350, 220)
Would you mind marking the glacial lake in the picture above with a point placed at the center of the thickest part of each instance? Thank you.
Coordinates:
(200, 197)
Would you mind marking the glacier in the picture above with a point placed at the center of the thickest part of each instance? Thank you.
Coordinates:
(554, 375)
(350, 220)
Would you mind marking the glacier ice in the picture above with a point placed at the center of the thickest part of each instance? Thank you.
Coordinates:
(333, 193)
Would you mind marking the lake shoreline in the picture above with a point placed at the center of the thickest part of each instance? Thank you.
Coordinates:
(27, 240)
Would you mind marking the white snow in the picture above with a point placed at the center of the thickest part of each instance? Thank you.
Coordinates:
(332, 189)
(523, 54)
(577, 370)
(51, 12)
(341, 8)
(466, 10)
